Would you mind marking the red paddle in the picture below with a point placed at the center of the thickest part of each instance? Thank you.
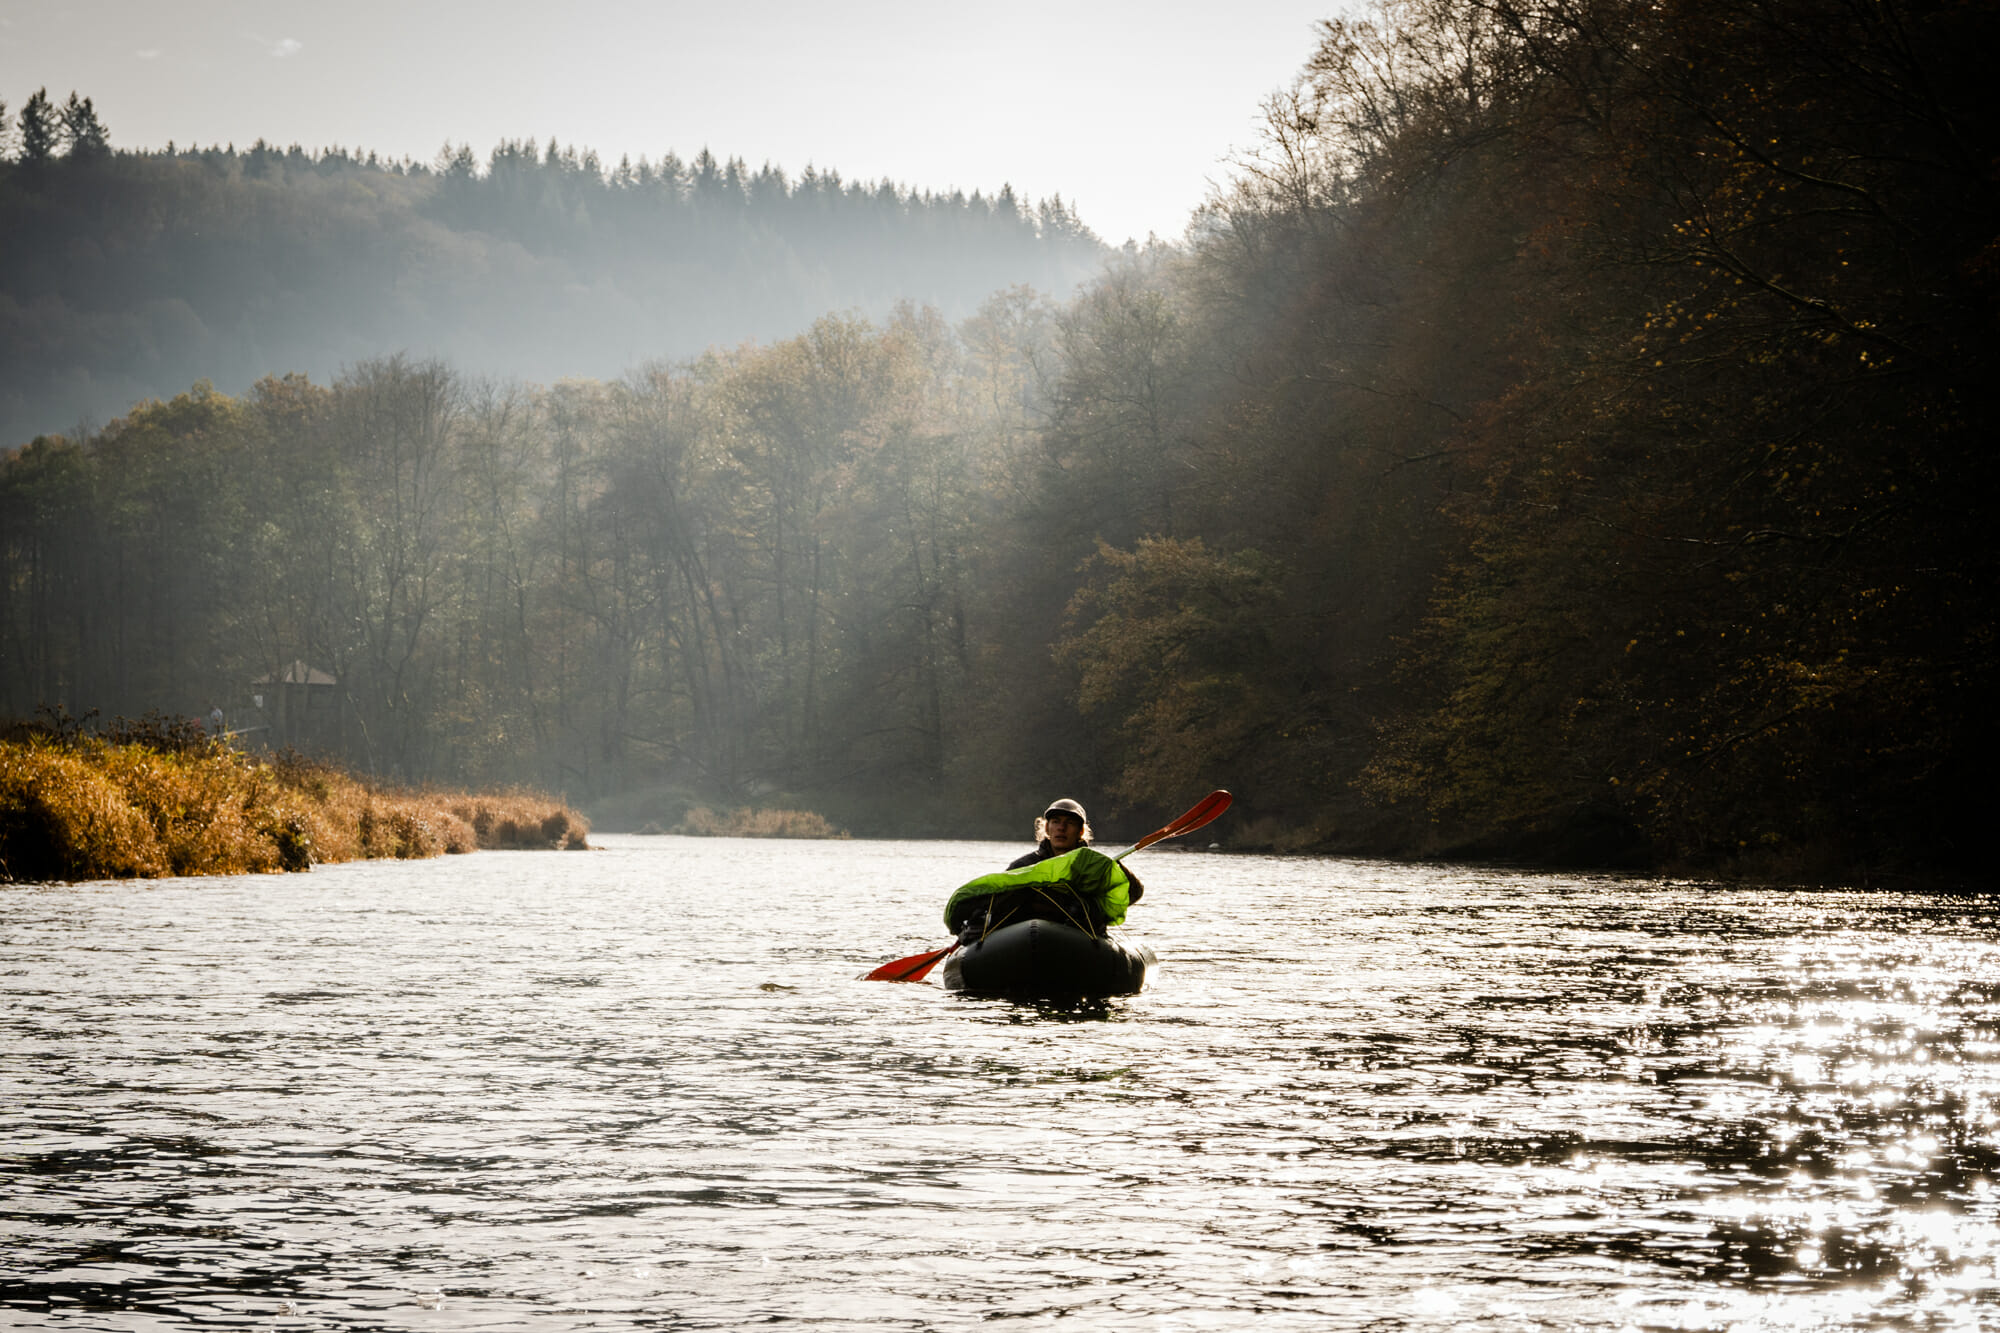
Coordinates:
(918, 965)
(914, 968)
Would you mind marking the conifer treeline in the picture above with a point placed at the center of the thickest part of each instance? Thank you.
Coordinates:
(126, 275)
(1568, 437)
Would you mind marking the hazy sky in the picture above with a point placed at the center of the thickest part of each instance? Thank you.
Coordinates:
(1126, 109)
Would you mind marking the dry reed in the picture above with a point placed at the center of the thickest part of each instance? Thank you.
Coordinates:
(702, 822)
(166, 801)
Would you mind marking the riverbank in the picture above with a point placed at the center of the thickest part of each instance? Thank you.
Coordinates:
(163, 799)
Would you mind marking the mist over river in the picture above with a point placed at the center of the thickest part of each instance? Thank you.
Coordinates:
(642, 1088)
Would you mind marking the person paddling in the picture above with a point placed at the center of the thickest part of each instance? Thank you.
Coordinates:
(1099, 901)
(1097, 888)
(1062, 827)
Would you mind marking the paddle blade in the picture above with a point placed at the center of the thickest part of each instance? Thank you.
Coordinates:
(914, 968)
(1201, 812)
(1204, 810)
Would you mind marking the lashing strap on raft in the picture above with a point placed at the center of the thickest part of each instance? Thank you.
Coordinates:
(1016, 902)
(1100, 886)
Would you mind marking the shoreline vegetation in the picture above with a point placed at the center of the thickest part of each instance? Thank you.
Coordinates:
(747, 822)
(159, 797)
(1563, 438)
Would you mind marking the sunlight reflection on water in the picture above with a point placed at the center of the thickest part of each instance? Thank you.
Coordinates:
(641, 1088)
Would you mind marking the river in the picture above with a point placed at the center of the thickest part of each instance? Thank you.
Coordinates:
(643, 1088)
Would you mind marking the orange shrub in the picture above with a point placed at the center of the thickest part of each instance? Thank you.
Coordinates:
(74, 806)
(523, 821)
(743, 822)
(61, 817)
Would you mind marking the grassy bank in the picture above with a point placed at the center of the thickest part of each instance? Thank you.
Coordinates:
(745, 822)
(687, 812)
(162, 799)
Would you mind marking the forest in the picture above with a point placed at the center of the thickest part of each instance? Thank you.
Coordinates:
(1565, 439)
(129, 275)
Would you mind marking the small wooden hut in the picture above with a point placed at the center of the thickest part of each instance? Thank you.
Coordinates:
(300, 705)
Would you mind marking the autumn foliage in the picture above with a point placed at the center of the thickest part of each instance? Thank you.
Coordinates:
(1617, 382)
(1567, 437)
(163, 799)
(751, 822)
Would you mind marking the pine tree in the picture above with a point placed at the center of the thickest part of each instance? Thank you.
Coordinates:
(38, 129)
(82, 132)
(458, 163)
(705, 176)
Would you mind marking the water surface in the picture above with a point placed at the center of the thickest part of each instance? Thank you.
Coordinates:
(641, 1088)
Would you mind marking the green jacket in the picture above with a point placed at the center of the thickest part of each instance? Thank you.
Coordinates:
(1089, 874)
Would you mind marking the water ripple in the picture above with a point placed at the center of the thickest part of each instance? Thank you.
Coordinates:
(523, 1091)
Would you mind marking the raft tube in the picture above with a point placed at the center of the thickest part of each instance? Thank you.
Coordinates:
(1049, 960)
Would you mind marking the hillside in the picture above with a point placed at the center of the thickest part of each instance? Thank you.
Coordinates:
(126, 276)
(1567, 439)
